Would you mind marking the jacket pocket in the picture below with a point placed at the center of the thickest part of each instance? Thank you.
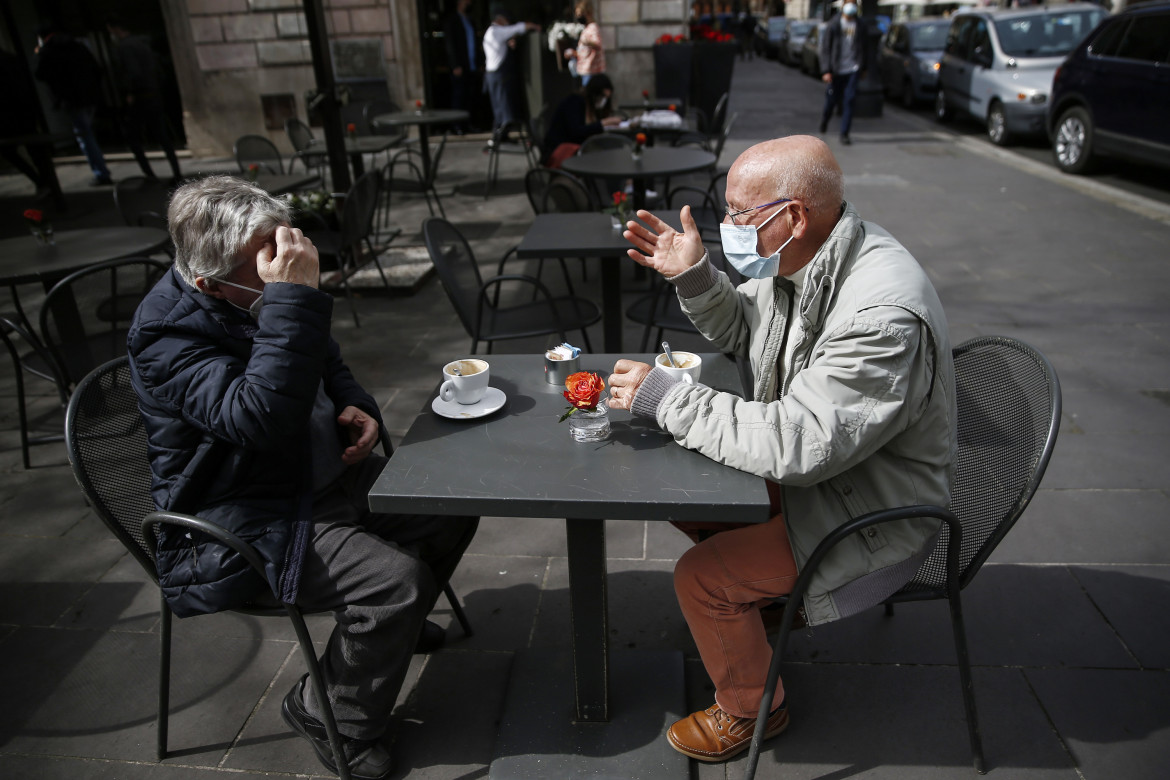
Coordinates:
(856, 506)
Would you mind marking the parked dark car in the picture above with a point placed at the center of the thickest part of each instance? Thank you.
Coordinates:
(810, 52)
(792, 41)
(769, 35)
(998, 65)
(909, 59)
(1111, 97)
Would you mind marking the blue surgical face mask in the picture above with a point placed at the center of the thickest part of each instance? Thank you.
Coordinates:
(254, 309)
(739, 247)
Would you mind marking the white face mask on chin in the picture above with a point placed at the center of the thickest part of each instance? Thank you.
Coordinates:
(254, 309)
(739, 247)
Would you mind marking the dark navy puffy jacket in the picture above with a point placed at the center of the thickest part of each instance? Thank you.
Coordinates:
(226, 402)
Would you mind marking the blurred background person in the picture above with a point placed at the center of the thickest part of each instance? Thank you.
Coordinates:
(501, 69)
(464, 57)
(75, 79)
(579, 115)
(589, 53)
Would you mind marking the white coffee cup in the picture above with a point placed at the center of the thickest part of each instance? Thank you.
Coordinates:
(465, 381)
(686, 368)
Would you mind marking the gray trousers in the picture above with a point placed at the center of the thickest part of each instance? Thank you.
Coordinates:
(380, 575)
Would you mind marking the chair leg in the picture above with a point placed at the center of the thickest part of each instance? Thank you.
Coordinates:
(164, 674)
(790, 609)
(960, 632)
(318, 682)
(457, 608)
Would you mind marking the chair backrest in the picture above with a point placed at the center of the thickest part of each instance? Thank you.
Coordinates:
(142, 202)
(106, 441)
(603, 141)
(455, 264)
(555, 191)
(723, 135)
(357, 215)
(299, 134)
(258, 150)
(85, 317)
(1008, 398)
(719, 113)
(436, 158)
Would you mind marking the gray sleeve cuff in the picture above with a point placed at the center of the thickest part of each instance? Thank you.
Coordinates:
(697, 279)
(651, 392)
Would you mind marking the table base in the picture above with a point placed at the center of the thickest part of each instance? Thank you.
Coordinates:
(539, 739)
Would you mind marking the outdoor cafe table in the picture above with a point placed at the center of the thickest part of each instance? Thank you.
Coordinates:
(356, 146)
(586, 234)
(518, 462)
(656, 162)
(24, 260)
(423, 118)
(653, 104)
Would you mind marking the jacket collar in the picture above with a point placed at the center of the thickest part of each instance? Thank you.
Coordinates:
(826, 266)
(234, 322)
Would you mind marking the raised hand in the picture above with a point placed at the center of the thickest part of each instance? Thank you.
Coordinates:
(293, 258)
(663, 248)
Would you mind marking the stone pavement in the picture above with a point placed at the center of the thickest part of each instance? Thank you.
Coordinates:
(1066, 623)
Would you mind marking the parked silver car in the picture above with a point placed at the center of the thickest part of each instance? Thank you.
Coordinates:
(910, 53)
(793, 40)
(998, 65)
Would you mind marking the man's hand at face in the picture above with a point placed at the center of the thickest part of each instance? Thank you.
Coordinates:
(363, 434)
(663, 248)
(292, 259)
(624, 382)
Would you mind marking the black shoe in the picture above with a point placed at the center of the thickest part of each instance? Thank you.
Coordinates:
(367, 759)
(845, 139)
(824, 126)
(432, 637)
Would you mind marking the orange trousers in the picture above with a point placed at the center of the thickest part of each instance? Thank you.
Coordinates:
(721, 583)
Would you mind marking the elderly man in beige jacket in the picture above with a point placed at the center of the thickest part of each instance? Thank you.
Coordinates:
(853, 410)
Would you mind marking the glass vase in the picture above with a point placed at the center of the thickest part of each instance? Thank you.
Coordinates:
(590, 426)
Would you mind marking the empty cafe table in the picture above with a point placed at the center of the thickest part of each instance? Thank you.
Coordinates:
(423, 119)
(655, 162)
(581, 712)
(356, 146)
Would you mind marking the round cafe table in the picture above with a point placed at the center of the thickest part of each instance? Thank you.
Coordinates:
(423, 118)
(24, 260)
(656, 162)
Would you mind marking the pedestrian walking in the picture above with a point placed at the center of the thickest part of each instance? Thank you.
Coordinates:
(589, 54)
(843, 54)
(137, 75)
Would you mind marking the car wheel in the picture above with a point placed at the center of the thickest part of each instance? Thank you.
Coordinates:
(997, 130)
(907, 94)
(1072, 143)
(942, 112)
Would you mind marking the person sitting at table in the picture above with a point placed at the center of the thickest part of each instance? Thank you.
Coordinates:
(256, 424)
(579, 115)
(853, 410)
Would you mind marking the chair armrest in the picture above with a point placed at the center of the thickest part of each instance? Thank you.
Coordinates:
(498, 280)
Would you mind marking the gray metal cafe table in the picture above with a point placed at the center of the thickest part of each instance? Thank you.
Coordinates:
(423, 119)
(519, 462)
(24, 260)
(356, 146)
(655, 162)
(586, 234)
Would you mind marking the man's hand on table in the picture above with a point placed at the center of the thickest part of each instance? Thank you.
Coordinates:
(363, 434)
(624, 382)
(663, 248)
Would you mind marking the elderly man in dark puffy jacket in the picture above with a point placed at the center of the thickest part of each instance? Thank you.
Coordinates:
(257, 425)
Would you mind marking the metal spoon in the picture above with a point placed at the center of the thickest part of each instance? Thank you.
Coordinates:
(669, 356)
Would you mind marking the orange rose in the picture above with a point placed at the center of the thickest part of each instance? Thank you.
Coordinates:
(583, 389)
(33, 215)
(640, 139)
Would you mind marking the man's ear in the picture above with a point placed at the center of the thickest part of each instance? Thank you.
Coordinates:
(208, 287)
(800, 222)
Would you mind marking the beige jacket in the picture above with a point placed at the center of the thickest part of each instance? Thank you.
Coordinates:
(862, 419)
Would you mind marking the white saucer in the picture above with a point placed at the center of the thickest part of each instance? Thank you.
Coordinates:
(492, 400)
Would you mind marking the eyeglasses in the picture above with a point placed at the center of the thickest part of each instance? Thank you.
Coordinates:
(733, 214)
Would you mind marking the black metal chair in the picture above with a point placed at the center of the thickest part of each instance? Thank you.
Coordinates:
(301, 137)
(553, 191)
(257, 150)
(107, 446)
(1008, 399)
(86, 316)
(501, 145)
(346, 251)
(660, 310)
(142, 202)
(405, 174)
(476, 301)
(39, 363)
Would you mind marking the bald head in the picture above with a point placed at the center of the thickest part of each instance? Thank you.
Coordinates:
(798, 166)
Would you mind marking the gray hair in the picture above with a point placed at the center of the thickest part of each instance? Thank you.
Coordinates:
(213, 219)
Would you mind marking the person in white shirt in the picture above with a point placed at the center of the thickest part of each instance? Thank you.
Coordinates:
(500, 69)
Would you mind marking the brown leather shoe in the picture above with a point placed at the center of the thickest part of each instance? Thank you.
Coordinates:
(713, 735)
